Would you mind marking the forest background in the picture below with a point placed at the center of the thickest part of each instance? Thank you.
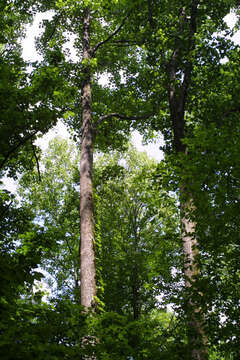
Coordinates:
(150, 233)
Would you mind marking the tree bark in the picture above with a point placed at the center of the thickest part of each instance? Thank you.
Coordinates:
(135, 290)
(135, 281)
(197, 339)
(88, 271)
(178, 93)
(188, 238)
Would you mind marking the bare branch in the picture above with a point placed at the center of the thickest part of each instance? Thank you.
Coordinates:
(115, 32)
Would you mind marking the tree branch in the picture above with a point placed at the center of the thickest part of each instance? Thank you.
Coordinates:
(188, 72)
(56, 21)
(68, 245)
(13, 149)
(6, 209)
(37, 162)
(150, 18)
(122, 43)
(115, 32)
(231, 111)
(120, 116)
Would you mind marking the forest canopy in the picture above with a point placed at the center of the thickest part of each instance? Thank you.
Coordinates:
(106, 253)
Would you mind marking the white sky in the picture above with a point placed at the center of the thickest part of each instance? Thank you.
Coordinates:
(32, 31)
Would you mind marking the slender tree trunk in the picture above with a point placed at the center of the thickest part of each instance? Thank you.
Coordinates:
(135, 282)
(135, 290)
(88, 271)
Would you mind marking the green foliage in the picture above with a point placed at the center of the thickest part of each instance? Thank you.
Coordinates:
(24, 112)
(134, 227)
(45, 331)
(135, 232)
(54, 201)
(119, 337)
(136, 218)
(21, 247)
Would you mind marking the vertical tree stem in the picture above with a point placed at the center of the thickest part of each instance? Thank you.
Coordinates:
(196, 336)
(88, 271)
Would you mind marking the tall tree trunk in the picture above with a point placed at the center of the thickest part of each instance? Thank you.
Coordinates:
(178, 94)
(197, 339)
(88, 271)
(196, 336)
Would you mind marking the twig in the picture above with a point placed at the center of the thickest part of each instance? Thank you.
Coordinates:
(56, 21)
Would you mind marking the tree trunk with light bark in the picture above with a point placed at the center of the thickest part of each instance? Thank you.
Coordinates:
(196, 335)
(88, 271)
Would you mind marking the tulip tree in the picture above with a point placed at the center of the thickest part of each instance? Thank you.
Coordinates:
(96, 29)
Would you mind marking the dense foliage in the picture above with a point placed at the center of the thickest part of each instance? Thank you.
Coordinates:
(164, 236)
